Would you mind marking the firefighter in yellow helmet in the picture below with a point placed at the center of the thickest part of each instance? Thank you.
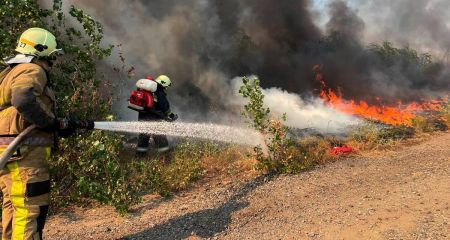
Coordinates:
(160, 112)
(26, 99)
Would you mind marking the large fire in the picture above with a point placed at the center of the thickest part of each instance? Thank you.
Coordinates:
(402, 114)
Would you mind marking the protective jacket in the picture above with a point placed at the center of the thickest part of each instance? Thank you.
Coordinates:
(161, 102)
(26, 99)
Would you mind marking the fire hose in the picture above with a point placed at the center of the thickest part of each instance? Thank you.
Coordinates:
(15, 144)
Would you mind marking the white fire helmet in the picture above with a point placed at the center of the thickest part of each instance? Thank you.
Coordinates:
(37, 42)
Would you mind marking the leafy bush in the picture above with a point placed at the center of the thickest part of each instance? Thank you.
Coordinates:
(91, 168)
(280, 154)
(254, 110)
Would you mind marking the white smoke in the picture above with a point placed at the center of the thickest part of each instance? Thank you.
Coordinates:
(301, 113)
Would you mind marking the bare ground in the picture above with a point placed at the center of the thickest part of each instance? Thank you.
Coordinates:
(402, 194)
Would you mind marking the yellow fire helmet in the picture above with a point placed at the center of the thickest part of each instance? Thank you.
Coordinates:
(37, 42)
(164, 81)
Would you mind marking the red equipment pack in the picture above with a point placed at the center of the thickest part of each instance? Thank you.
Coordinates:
(142, 98)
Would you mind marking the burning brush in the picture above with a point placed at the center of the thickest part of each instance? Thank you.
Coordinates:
(402, 114)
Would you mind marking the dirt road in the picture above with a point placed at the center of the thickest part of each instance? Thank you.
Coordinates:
(391, 195)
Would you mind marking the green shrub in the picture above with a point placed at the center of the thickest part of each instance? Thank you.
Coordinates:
(254, 110)
(280, 154)
(92, 168)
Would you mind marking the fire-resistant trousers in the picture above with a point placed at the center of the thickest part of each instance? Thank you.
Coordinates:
(161, 142)
(25, 185)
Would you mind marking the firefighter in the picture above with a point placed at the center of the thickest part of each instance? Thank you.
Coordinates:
(25, 99)
(160, 112)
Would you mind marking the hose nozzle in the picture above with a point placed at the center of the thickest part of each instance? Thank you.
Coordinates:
(73, 123)
(85, 124)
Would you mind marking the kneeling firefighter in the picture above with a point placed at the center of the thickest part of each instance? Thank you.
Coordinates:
(150, 100)
(27, 102)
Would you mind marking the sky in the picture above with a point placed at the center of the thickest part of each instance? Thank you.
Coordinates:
(319, 3)
(321, 6)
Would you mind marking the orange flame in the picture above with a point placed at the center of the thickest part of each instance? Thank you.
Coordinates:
(393, 115)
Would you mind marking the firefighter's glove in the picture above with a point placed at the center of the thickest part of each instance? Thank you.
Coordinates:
(171, 117)
(66, 127)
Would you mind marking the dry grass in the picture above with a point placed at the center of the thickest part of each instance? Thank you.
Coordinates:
(233, 162)
(190, 162)
(316, 149)
(422, 124)
(366, 137)
(374, 137)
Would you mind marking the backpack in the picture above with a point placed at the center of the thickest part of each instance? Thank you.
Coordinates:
(142, 99)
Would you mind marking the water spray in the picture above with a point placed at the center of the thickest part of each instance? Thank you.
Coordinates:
(214, 132)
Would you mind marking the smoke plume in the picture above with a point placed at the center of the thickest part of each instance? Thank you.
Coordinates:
(202, 45)
(306, 112)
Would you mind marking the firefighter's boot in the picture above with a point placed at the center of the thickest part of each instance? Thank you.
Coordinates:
(143, 144)
(161, 143)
